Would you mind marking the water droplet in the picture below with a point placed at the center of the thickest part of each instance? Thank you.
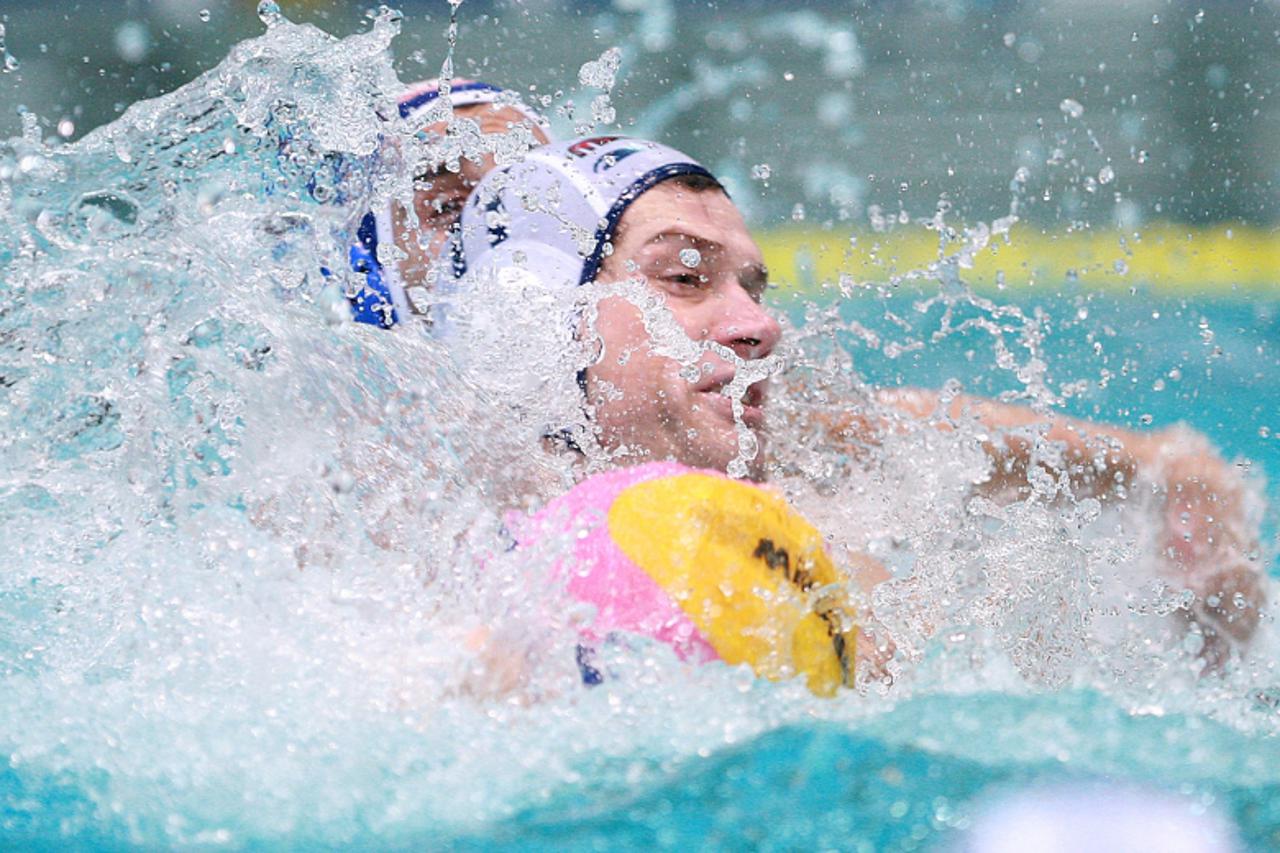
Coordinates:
(600, 73)
(761, 172)
(119, 207)
(1106, 175)
(1217, 75)
(66, 128)
(10, 62)
(1009, 39)
(1155, 19)
(210, 195)
(602, 111)
(797, 213)
(205, 15)
(1263, 432)
(341, 481)
(690, 257)
(269, 13)
(788, 76)
(133, 41)
(1071, 107)
(1145, 420)
(30, 126)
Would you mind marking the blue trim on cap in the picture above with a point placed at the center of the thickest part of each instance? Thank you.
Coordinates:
(372, 304)
(422, 98)
(591, 267)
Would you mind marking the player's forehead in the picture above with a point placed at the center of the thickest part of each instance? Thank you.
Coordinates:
(491, 119)
(670, 214)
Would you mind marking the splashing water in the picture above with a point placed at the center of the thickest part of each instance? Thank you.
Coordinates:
(197, 468)
(256, 585)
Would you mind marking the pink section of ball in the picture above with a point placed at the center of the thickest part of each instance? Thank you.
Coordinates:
(625, 597)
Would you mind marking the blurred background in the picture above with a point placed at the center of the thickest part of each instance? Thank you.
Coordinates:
(1120, 113)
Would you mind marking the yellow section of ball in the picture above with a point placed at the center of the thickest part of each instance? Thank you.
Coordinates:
(750, 573)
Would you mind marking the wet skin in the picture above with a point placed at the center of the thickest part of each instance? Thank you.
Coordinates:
(440, 194)
(640, 401)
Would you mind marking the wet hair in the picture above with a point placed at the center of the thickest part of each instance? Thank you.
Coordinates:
(697, 183)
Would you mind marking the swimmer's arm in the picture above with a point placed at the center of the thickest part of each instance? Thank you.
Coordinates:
(1208, 541)
(1100, 461)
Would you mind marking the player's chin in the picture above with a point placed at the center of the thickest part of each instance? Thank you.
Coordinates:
(729, 445)
(756, 464)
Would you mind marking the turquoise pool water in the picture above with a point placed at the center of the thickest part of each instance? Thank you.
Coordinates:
(246, 545)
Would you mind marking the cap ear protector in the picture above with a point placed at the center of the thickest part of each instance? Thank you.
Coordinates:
(544, 270)
(520, 311)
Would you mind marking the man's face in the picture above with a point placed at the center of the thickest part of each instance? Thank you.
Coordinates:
(692, 248)
(439, 194)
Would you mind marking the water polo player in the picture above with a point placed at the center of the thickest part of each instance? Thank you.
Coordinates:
(485, 120)
(612, 209)
(597, 211)
(668, 546)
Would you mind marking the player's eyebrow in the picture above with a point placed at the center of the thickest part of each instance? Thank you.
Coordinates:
(682, 235)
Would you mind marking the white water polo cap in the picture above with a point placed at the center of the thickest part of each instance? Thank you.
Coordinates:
(509, 302)
(382, 300)
(555, 212)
